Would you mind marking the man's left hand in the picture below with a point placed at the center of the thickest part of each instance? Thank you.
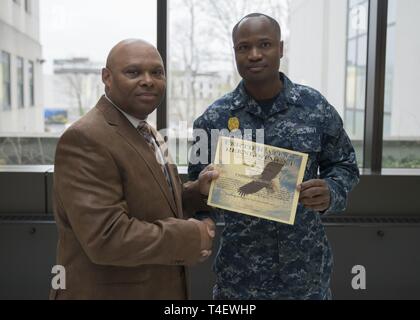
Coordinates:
(205, 179)
(315, 195)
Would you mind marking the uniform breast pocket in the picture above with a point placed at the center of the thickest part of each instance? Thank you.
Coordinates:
(307, 143)
(311, 145)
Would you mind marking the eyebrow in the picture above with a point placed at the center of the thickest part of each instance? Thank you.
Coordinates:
(259, 40)
(151, 66)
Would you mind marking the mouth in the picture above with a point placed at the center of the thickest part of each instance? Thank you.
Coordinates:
(256, 68)
(147, 96)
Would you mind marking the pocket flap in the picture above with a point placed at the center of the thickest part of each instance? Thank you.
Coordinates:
(307, 142)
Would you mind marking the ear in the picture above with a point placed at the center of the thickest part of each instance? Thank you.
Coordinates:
(281, 46)
(106, 77)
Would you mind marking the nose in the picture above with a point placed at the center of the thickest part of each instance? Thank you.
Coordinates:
(146, 80)
(254, 54)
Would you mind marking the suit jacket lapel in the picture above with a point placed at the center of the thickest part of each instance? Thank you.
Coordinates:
(132, 136)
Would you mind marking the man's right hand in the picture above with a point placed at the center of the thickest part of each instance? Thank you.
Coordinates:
(208, 232)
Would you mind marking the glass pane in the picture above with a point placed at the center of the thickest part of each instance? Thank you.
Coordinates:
(387, 126)
(351, 86)
(5, 97)
(359, 125)
(356, 70)
(352, 52)
(402, 121)
(351, 27)
(361, 88)
(389, 69)
(392, 11)
(200, 46)
(31, 84)
(68, 42)
(349, 123)
(361, 51)
(358, 18)
(363, 17)
(7, 84)
(20, 82)
(2, 81)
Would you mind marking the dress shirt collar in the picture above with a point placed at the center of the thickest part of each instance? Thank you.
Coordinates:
(133, 120)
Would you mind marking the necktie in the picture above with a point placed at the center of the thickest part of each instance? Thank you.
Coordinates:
(146, 131)
(147, 134)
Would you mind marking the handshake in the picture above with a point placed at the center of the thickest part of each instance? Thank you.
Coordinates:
(207, 226)
(208, 232)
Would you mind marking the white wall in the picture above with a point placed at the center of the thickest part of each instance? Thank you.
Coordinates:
(405, 119)
(305, 42)
(317, 47)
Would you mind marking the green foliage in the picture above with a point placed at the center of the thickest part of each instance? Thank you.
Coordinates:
(409, 162)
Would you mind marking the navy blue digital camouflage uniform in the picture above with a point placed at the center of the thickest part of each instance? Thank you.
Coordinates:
(261, 259)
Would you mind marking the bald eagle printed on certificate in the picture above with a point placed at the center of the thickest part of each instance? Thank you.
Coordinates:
(257, 180)
(265, 180)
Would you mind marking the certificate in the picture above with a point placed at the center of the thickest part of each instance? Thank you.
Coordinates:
(257, 180)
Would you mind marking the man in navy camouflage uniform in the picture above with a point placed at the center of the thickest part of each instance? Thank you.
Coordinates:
(261, 259)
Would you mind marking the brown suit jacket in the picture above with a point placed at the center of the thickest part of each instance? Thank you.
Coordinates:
(122, 232)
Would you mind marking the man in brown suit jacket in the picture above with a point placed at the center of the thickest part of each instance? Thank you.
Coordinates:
(121, 214)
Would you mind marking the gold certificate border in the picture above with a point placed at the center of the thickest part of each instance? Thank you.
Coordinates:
(300, 177)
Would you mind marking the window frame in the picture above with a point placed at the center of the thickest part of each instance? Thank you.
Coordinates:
(28, 6)
(31, 82)
(375, 83)
(352, 102)
(20, 82)
(7, 85)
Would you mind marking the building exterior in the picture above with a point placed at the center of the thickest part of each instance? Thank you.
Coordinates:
(317, 47)
(328, 51)
(71, 91)
(190, 94)
(21, 98)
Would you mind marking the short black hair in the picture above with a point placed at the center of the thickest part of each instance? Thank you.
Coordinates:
(273, 22)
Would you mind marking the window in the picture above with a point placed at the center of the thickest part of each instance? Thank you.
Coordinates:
(5, 88)
(355, 95)
(58, 72)
(28, 8)
(389, 69)
(402, 106)
(20, 82)
(201, 66)
(201, 55)
(31, 83)
(72, 78)
(200, 47)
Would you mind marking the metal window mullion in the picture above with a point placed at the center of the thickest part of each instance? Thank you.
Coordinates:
(346, 65)
(375, 85)
(162, 31)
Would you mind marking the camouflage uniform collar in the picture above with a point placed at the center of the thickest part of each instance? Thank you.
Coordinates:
(289, 96)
